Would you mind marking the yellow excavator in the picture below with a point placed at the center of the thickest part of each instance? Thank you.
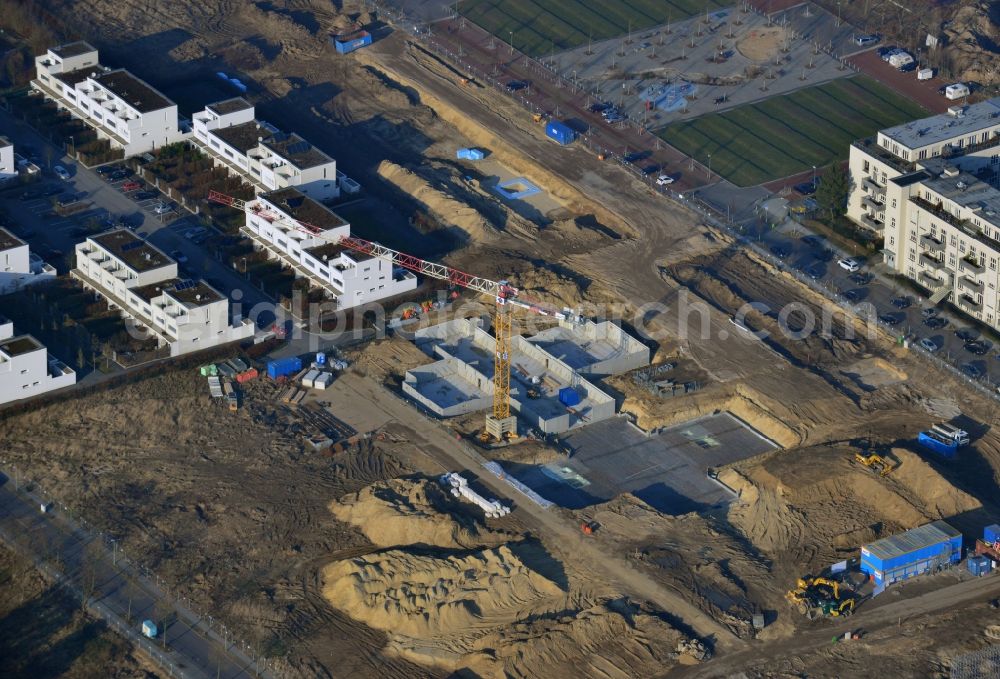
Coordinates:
(813, 596)
(875, 462)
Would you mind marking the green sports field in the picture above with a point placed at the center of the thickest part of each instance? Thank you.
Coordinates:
(784, 135)
(541, 26)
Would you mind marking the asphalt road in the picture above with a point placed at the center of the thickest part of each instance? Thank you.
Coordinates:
(91, 568)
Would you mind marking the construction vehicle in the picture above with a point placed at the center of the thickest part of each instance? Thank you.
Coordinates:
(500, 425)
(533, 392)
(840, 609)
(588, 527)
(811, 595)
(875, 462)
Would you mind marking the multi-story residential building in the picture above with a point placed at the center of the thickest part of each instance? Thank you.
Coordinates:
(265, 156)
(968, 137)
(19, 266)
(142, 282)
(26, 369)
(346, 276)
(121, 108)
(944, 233)
(8, 168)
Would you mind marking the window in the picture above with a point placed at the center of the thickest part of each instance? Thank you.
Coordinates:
(993, 263)
(913, 256)
(923, 154)
(866, 167)
(892, 240)
(894, 202)
(893, 222)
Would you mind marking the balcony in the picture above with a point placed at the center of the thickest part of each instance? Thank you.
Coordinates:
(938, 211)
(872, 204)
(969, 303)
(970, 284)
(931, 244)
(872, 223)
(929, 280)
(971, 265)
(873, 187)
(966, 150)
(871, 147)
(931, 262)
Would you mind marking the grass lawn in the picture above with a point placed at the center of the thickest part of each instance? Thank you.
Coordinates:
(541, 26)
(784, 135)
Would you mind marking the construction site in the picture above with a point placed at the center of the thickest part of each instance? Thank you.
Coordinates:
(536, 491)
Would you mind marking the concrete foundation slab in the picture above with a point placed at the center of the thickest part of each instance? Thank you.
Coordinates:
(667, 470)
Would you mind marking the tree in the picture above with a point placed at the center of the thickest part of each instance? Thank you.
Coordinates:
(831, 194)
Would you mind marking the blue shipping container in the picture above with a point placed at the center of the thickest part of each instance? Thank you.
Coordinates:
(569, 397)
(911, 553)
(935, 444)
(280, 367)
(991, 534)
(345, 44)
(470, 154)
(979, 565)
(559, 132)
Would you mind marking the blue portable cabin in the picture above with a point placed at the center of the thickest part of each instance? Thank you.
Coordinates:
(281, 367)
(944, 447)
(470, 154)
(979, 565)
(560, 132)
(911, 553)
(348, 42)
(991, 534)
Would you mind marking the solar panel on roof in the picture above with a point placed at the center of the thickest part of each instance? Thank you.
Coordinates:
(184, 285)
(132, 245)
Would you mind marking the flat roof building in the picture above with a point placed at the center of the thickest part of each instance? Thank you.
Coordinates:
(19, 267)
(128, 112)
(263, 155)
(8, 168)
(348, 277)
(26, 369)
(142, 282)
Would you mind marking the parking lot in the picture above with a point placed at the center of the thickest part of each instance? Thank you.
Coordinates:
(899, 309)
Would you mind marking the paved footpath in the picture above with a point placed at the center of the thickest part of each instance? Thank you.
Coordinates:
(79, 560)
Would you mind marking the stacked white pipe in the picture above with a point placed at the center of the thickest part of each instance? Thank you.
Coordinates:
(460, 488)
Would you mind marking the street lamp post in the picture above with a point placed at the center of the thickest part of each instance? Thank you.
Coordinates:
(511, 42)
(709, 165)
(814, 176)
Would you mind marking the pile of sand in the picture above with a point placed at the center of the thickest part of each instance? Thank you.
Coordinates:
(411, 512)
(972, 36)
(427, 596)
(936, 496)
(438, 203)
(762, 43)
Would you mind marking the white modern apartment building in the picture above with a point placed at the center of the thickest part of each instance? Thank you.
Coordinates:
(26, 369)
(8, 168)
(118, 106)
(142, 282)
(943, 232)
(265, 156)
(19, 267)
(968, 137)
(346, 276)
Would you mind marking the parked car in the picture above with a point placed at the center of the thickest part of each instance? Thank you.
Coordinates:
(131, 186)
(928, 312)
(781, 250)
(901, 302)
(815, 271)
(866, 40)
(162, 208)
(812, 241)
(966, 334)
(972, 370)
(515, 85)
(145, 195)
(862, 278)
(849, 264)
(890, 319)
(806, 188)
(977, 348)
(119, 175)
(935, 322)
(664, 180)
(852, 295)
(927, 344)
(650, 170)
(108, 169)
(60, 172)
(68, 199)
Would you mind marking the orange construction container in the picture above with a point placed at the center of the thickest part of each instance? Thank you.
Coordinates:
(247, 375)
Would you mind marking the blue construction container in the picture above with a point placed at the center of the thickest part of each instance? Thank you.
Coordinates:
(281, 367)
(979, 565)
(937, 444)
(568, 397)
(320, 358)
(911, 553)
(560, 132)
(991, 534)
(345, 44)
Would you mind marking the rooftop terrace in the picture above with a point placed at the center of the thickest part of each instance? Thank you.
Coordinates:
(230, 106)
(72, 49)
(129, 248)
(242, 137)
(297, 151)
(18, 346)
(133, 91)
(194, 294)
(300, 207)
(9, 240)
(945, 126)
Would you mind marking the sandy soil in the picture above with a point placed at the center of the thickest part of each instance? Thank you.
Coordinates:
(762, 44)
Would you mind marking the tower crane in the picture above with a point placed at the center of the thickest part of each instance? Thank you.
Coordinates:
(500, 425)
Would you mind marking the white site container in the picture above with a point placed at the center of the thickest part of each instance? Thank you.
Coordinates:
(307, 381)
(925, 74)
(323, 380)
(956, 91)
(901, 59)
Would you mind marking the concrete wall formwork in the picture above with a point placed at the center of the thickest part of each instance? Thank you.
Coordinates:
(594, 348)
(449, 388)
